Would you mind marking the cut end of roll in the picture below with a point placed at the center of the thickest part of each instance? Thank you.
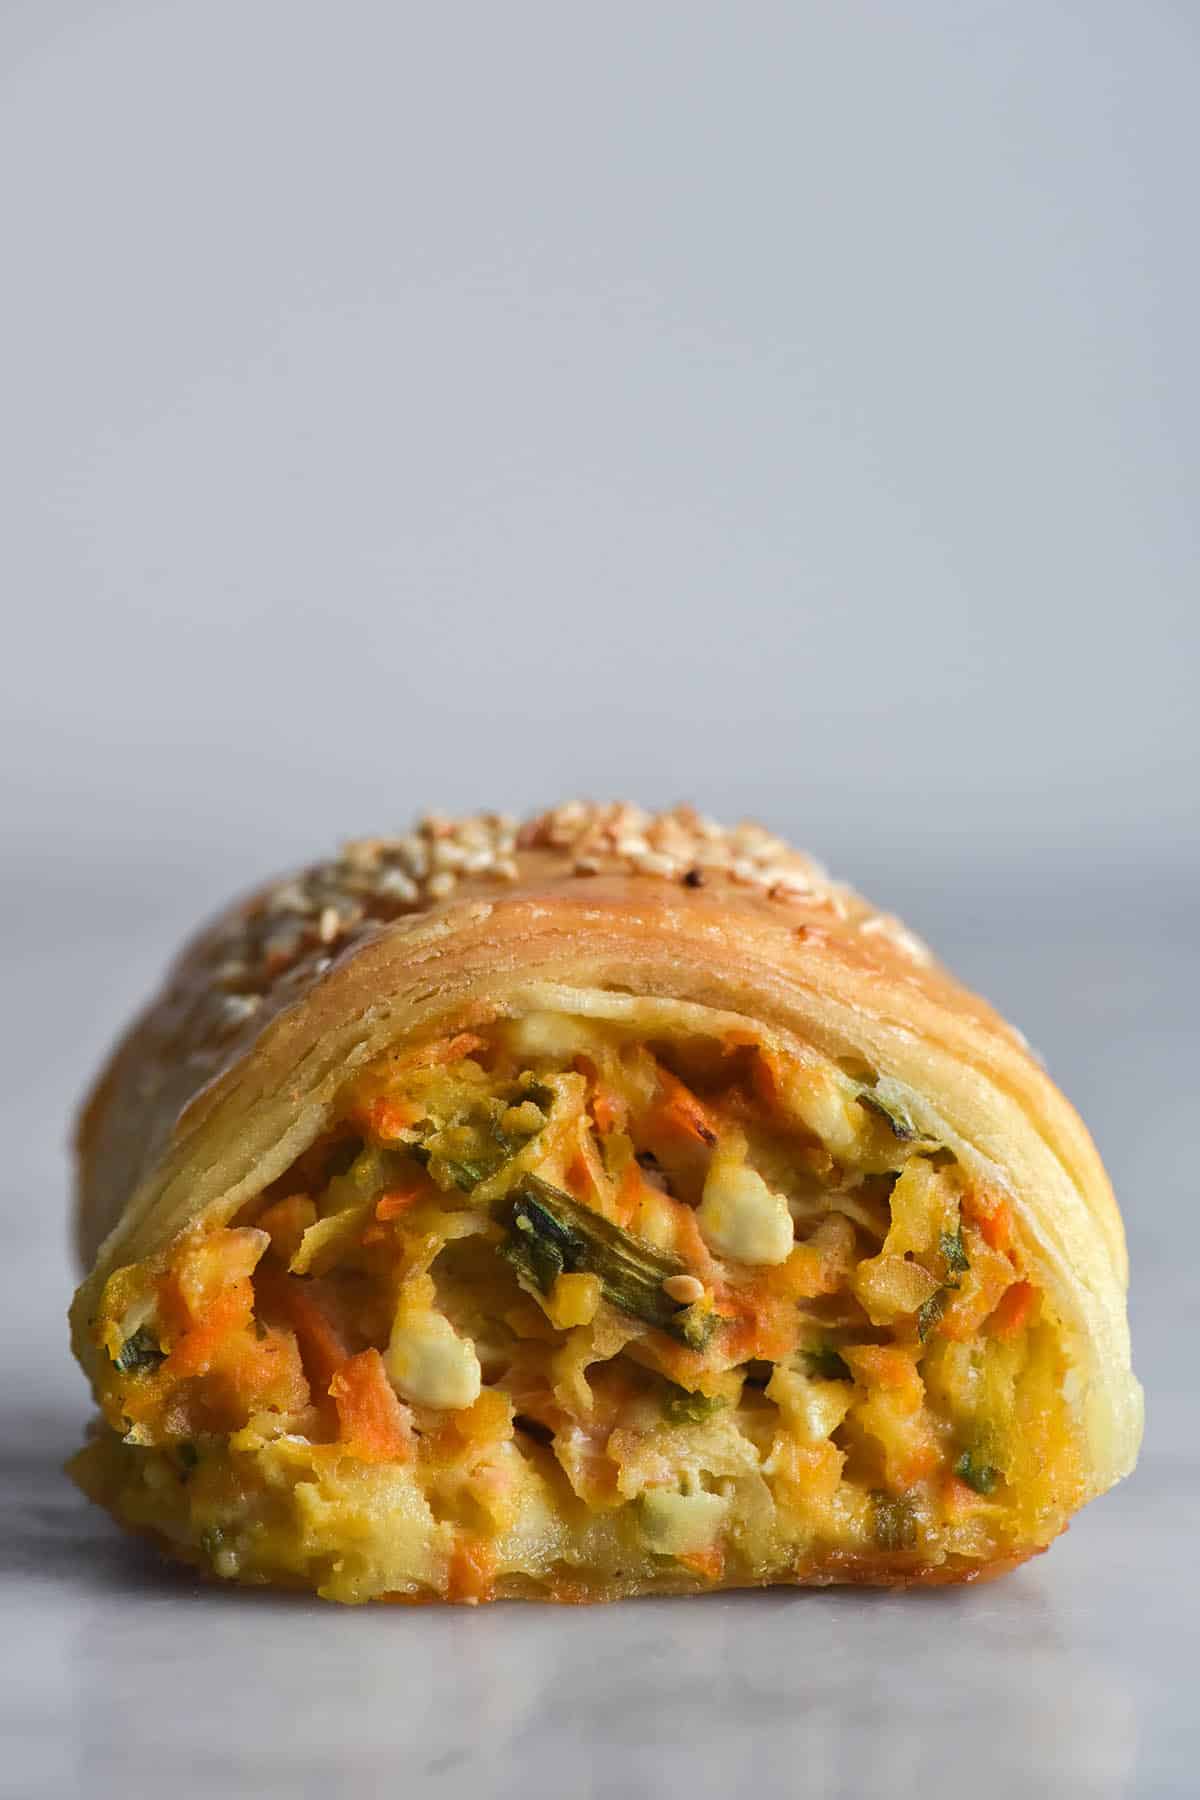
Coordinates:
(633, 1210)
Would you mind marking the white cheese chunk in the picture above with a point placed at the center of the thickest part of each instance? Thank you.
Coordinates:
(814, 1409)
(427, 1362)
(678, 1524)
(740, 1217)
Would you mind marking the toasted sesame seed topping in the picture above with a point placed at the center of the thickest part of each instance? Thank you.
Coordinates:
(285, 936)
(684, 1288)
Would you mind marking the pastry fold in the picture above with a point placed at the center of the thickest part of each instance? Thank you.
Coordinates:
(609, 1205)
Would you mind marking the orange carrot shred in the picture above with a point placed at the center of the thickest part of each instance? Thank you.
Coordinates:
(387, 1119)
(399, 1199)
(629, 1193)
(1012, 1311)
(371, 1421)
(708, 1564)
(579, 1178)
(993, 1215)
(321, 1345)
(683, 1112)
(996, 1226)
(196, 1349)
(472, 1575)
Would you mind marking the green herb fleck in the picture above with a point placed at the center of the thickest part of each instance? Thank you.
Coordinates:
(211, 1540)
(929, 1315)
(550, 1234)
(897, 1117)
(978, 1474)
(825, 1363)
(467, 1176)
(951, 1246)
(140, 1354)
(895, 1522)
(682, 1408)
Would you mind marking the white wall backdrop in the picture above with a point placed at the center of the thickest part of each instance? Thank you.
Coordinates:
(791, 407)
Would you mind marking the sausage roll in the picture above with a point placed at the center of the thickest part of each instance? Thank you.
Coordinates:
(607, 1205)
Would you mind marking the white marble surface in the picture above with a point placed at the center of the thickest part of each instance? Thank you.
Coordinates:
(1074, 1677)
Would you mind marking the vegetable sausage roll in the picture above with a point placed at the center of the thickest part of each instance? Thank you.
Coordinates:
(607, 1206)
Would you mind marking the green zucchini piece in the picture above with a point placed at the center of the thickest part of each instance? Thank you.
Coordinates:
(550, 1234)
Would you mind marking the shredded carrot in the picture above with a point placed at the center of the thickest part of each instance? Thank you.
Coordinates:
(371, 1421)
(472, 1576)
(762, 1326)
(579, 1178)
(882, 1364)
(629, 1193)
(805, 1275)
(194, 1352)
(765, 1078)
(320, 1343)
(681, 1111)
(993, 1215)
(1013, 1310)
(398, 1199)
(387, 1119)
(440, 1052)
(891, 1369)
(708, 1564)
(919, 1463)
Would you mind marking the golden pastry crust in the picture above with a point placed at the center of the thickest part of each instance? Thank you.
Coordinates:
(235, 1068)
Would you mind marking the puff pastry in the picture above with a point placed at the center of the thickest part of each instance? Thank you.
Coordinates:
(612, 1204)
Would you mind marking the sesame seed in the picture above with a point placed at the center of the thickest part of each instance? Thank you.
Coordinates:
(653, 862)
(289, 897)
(281, 942)
(413, 855)
(394, 884)
(272, 942)
(684, 1288)
(234, 1009)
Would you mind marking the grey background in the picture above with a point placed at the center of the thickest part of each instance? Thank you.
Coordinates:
(791, 408)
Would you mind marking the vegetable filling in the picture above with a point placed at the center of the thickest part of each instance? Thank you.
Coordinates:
(555, 1309)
